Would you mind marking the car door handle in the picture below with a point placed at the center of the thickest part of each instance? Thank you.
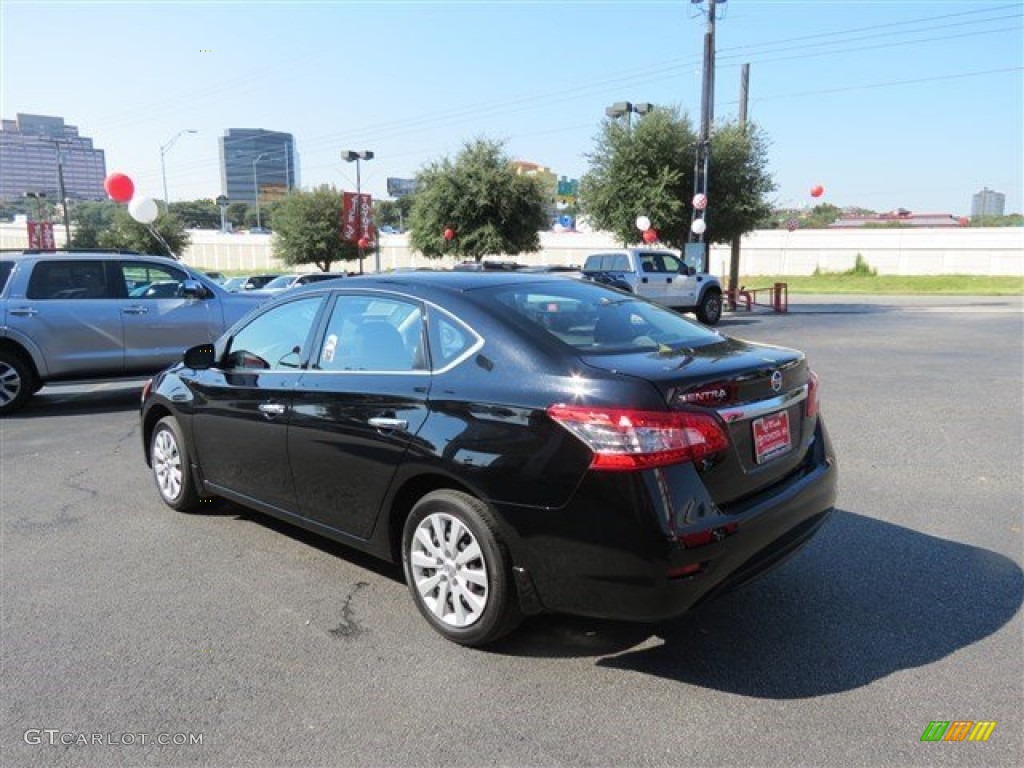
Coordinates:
(24, 312)
(273, 409)
(382, 422)
(135, 310)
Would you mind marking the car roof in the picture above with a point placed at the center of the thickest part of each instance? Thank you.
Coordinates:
(442, 281)
(30, 253)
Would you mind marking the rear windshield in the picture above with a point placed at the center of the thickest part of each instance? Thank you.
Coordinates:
(593, 319)
(5, 272)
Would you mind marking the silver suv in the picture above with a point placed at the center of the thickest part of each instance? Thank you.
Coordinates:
(661, 276)
(74, 315)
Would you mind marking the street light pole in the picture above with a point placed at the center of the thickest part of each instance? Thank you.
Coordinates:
(348, 156)
(163, 168)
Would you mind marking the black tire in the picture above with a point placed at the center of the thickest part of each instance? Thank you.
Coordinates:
(709, 310)
(17, 382)
(474, 603)
(172, 470)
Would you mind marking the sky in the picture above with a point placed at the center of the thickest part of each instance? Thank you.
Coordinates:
(884, 103)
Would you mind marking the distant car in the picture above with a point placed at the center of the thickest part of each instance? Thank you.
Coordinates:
(217, 277)
(253, 282)
(387, 229)
(234, 284)
(259, 231)
(627, 464)
(74, 316)
(284, 282)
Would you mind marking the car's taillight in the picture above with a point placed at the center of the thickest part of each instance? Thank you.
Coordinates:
(625, 439)
(811, 406)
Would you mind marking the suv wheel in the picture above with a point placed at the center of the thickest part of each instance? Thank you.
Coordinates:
(458, 570)
(709, 310)
(17, 382)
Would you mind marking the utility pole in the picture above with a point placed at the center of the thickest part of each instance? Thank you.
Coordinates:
(702, 162)
(63, 195)
(734, 256)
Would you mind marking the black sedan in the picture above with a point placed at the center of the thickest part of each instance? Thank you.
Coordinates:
(521, 443)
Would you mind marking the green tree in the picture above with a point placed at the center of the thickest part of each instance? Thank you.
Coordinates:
(821, 216)
(392, 213)
(238, 213)
(648, 170)
(197, 214)
(124, 233)
(491, 209)
(90, 220)
(307, 229)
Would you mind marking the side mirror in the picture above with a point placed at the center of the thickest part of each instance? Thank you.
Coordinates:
(199, 358)
(192, 289)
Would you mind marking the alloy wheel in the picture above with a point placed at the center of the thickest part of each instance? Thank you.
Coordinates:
(449, 570)
(167, 467)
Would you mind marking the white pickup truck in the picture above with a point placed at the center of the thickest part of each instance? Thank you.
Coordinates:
(661, 276)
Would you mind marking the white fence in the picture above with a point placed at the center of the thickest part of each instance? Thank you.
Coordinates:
(973, 251)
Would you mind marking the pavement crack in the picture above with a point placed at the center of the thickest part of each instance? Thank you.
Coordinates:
(349, 628)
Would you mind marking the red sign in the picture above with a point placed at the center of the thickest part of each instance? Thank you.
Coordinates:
(40, 236)
(356, 217)
(771, 436)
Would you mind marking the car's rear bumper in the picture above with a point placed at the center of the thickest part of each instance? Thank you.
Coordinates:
(650, 546)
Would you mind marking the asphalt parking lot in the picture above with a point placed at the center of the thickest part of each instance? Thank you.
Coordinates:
(125, 624)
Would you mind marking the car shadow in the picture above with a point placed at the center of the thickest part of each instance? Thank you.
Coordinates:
(865, 599)
(60, 400)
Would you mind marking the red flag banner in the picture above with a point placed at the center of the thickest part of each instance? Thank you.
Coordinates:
(40, 235)
(356, 217)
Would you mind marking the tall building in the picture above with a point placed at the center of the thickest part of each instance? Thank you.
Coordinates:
(252, 159)
(988, 203)
(35, 150)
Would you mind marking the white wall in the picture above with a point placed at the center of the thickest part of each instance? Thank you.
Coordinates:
(975, 251)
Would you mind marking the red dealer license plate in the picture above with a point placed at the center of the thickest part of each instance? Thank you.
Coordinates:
(771, 436)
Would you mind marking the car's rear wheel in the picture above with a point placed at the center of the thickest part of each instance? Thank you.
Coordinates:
(17, 382)
(709, 310)
(457, 568)
(171, 471)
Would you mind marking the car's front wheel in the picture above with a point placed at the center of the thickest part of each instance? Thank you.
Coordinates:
(709, 310)
(458, 569)
(168, 455)
(17, 382)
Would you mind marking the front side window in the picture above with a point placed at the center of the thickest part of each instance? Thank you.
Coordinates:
(276, 339)
(372, 333)
(69, 280)
(143, 280)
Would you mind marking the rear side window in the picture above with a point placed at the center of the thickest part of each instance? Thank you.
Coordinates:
(373, 334)
(593, 319)
(69, 280)
(5, 271)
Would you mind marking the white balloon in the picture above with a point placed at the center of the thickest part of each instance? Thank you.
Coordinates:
(699, 226)
(643, 223)
(143, 209)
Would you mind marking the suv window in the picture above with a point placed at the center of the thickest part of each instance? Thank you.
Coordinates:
(143, 280)
(5, 271)
(275, 339)
(76, 279)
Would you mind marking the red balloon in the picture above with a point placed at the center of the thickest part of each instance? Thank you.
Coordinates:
(363, 242)
(119, 187)
(650, 236)
(817, 191)
(449, 234)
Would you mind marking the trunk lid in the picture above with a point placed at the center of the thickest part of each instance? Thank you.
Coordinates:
(759, 392)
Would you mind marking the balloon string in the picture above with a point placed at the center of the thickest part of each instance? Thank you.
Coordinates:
(154, 233)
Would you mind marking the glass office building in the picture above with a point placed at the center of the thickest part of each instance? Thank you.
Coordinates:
(35, 150)
(252, 159)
